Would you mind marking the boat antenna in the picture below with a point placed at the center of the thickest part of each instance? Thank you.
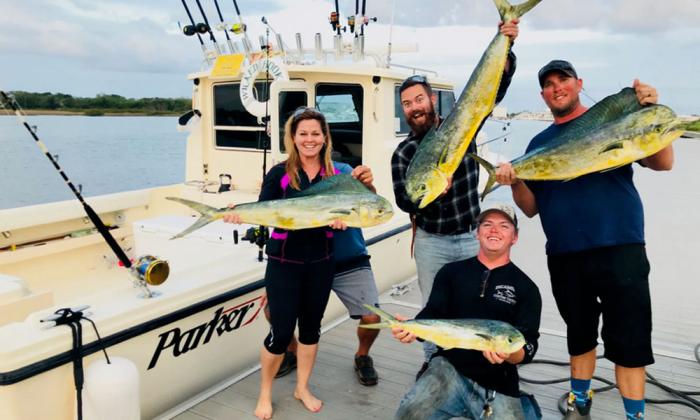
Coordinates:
(208, 28)
(391, 32)
(140, 277)
(231, 49)
(190, 30)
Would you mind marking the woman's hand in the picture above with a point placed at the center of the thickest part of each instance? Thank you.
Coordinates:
(364, 175)
(338, 224)
(231, 217)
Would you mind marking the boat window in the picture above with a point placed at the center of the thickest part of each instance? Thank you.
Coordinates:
(446, 99)
(342, 105)
(234, 126)
(445, 103)
(289, 101)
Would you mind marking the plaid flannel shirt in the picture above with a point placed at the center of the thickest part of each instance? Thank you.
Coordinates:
(456, 211)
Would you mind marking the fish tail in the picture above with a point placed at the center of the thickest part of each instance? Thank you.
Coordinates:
(208, 215)
(509, 12)
(385, 316)
(376, 326)
(490, 169)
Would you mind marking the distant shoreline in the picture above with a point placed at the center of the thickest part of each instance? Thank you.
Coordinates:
(97, 113)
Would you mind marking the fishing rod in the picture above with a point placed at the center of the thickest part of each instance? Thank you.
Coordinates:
(148, 269)
(231, 48)
(190, 30)
(335, 19)
(247, 45)
(206, 22)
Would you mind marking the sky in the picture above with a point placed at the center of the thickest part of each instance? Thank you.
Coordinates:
(135, 48)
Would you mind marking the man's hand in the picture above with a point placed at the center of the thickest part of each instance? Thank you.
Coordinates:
(495, 358)
(509, 29)
(646, 94)
(505, 175)
(232, 218)
(363, 174)
(447, 187)
(401, 334)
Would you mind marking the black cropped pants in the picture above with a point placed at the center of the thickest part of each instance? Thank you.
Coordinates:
(296, 292)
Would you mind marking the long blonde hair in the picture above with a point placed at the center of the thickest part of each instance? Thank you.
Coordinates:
(293, 163)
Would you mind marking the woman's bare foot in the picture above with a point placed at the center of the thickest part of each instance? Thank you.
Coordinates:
(311, 403)
(263, 411)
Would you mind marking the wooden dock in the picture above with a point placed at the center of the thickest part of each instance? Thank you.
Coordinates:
(334, 380)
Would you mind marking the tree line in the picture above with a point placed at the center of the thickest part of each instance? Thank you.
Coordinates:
(101, 103)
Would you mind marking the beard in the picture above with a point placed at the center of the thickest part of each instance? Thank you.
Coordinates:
(420, 128)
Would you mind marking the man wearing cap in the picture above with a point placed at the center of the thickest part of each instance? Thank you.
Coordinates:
(597, 261)
(443, 229)
(488, 286)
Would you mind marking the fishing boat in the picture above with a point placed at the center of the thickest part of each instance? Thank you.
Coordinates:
(204, 324)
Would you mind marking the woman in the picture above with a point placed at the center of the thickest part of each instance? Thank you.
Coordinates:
(300, 265)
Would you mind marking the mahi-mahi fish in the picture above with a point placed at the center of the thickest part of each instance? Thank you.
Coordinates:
(614, 132)
(442, 150)
(337, 197)
(470, 334)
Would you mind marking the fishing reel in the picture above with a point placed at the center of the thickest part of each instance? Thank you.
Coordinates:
(150, 270)
(238, 28)
(256, 235)
(201, 28)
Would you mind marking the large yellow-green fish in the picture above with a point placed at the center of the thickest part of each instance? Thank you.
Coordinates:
(614, 132)
(337, 197)
(442, 150)
(470, 334)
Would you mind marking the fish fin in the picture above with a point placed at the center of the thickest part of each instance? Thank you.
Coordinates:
(490, 169)
(612, 146)
(484, 336)
(614, 167)
(201, 222)
(337, 184)
(376, 326)
(509, 12)
(341, 211)
(194, 205)
(385, 316)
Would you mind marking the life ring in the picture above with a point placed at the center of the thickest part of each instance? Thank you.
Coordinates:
(250, 103)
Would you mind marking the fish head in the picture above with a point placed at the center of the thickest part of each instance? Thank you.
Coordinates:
(424, 189)
(664, 122)
(509, 342)
(375, 211)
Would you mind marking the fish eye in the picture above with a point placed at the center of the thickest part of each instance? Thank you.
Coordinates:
(380, 211)
(510, 340)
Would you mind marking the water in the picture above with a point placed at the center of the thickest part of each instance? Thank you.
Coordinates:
(113, 154)
(103, 154)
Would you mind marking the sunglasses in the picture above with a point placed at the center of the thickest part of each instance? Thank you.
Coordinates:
(414, 80)
(302, 109)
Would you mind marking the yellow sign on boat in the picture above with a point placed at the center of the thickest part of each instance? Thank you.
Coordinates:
(227, 65)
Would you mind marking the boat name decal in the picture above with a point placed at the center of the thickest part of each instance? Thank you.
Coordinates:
(223, 321)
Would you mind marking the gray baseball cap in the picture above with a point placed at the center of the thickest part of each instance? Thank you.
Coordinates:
(556, 65)
(505, 209)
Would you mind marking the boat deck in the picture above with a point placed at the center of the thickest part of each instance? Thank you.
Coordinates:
(334, 380)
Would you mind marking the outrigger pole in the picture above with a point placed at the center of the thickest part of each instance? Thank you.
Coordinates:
(156, 270)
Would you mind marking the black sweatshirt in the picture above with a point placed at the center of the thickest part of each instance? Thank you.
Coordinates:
(510, 296)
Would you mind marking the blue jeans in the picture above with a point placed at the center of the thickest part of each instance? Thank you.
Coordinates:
(442, 393)
(434, 251)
